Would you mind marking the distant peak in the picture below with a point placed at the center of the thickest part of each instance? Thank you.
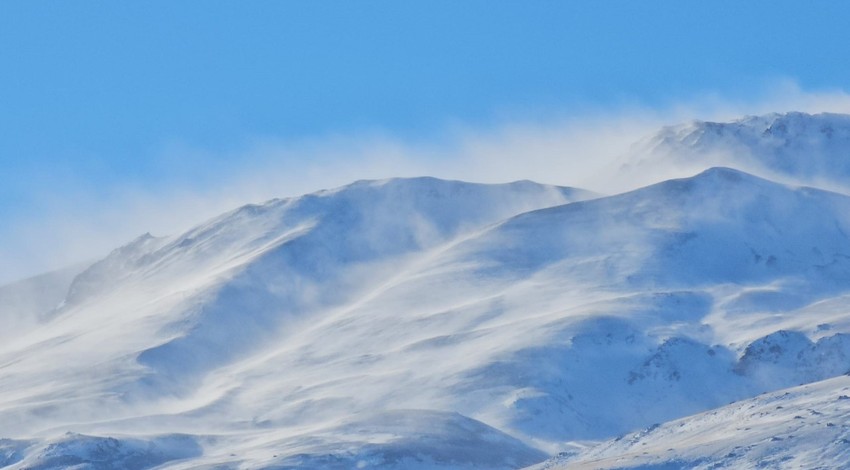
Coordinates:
(429, 183)
(726, 173)
(791, 122)
(140, 241)
(791, 147)
(714, 180)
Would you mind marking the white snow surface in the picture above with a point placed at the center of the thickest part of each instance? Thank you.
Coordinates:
(422, 323)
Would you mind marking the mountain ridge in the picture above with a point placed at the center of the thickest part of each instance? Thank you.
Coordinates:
(793, 147)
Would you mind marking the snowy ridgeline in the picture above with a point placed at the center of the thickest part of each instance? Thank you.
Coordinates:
(791, 147)
(802, 427)
(420, 323)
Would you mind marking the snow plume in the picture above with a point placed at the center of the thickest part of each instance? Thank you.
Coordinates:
(71, 221)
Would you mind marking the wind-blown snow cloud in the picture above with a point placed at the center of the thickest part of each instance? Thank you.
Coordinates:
(575, 149)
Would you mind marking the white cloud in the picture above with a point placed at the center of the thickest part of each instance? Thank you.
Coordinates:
(78, 223)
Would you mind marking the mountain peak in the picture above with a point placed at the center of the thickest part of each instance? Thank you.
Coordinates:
(765, 125)
(793, 147)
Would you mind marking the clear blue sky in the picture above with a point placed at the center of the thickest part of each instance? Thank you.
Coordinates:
(95, 90)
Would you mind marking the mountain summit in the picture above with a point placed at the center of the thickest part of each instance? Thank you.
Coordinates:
(792, 147)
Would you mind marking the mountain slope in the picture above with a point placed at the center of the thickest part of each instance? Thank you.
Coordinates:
(165, 312)
(801, 427)
(619, 299)
(23, 303)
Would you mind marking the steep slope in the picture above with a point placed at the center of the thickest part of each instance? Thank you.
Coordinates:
(792, 147)
(801, 427)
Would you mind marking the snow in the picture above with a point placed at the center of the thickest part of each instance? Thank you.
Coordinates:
(790, 147)
(24, 302)
(801, 427)
(398, 439)
(90, 452)
(422, 323)
(177, 320)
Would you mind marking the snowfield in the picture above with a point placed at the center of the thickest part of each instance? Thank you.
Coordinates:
(697, 322)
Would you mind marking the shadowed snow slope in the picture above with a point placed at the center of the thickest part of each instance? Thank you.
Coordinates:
(420, 323)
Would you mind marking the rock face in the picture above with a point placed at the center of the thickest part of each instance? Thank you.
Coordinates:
(421, 323)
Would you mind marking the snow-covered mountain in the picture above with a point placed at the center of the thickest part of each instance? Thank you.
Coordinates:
(421, 323)
(149, 330)
(790, 147)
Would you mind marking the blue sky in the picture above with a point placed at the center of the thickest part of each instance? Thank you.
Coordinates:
(105, 104)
